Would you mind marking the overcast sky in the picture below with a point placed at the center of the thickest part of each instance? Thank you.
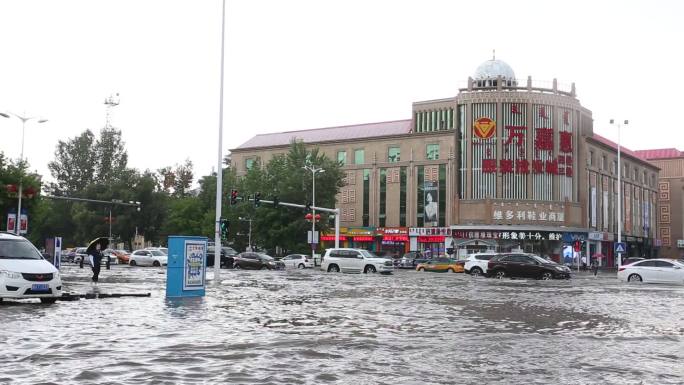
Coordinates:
(306, 64)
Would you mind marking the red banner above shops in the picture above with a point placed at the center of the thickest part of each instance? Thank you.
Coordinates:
(332, 237)
(396, 238)
(363, 239)
(431, 239)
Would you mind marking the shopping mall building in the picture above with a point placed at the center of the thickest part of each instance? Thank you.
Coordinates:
(506, 164)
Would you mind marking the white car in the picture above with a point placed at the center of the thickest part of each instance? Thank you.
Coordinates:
(148, 258)
(24, 273)
(164, 250)
(297, 261)
(476, 264)
(653, 271)
(355, 261)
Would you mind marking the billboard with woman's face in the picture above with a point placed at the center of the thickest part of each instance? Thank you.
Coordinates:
(431, 203)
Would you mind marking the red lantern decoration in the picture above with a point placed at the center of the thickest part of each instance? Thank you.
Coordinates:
(29, 192)
(318, 217)
(308, 217)
(11, 188)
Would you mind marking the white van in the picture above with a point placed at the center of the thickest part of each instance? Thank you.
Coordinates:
(24, 273)
(355, 261)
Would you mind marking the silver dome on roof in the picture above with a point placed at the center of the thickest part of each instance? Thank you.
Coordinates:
(491, 69)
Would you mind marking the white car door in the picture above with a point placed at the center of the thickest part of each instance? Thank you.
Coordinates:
(288, 261)
(147, 258)
(647, 270)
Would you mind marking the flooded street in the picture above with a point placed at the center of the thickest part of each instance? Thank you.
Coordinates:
(309, 327)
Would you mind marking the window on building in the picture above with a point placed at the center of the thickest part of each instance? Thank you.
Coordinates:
(394, 154)
(342, 157)
(249, 163)
(644, 178)
(625, 171)
(590, 158)
(432, 152)
(634, 174)
(603, 162)
(613, 170)
(653, 180)
(359, 157)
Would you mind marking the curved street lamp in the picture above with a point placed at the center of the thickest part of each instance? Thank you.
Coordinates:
(314, 170)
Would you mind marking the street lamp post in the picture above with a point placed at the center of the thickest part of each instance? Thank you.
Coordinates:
(619, 202)
(23, 119)
(314, 170)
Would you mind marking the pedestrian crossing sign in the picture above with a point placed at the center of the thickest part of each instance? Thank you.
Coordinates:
(620, 247)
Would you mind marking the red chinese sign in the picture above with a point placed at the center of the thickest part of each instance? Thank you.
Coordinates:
(484, 128)
(431, 239)
(543, 139)
(565, 141)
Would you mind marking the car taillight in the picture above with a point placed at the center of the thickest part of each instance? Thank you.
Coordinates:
(306, 259)
(621, 269)
(489, 264)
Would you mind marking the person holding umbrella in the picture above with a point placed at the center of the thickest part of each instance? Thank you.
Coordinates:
(94, 252)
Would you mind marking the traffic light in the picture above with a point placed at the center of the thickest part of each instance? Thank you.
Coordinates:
(276, 201)
(224, 224)
(257, 199)
(233, 197)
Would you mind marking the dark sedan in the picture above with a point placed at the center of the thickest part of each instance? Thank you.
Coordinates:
(227, 255)
(525, 266)
(256, 261)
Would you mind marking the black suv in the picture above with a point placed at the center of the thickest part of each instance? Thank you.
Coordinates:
(525, 266)
(227, 254)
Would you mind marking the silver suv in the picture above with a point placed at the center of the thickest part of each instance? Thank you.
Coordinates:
(476, 264)
(355, 261)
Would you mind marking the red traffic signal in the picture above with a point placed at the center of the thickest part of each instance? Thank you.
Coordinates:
(577, 246)
(233, 197)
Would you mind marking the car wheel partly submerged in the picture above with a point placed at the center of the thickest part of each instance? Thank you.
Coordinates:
(156, 264)
(500, 274)
(450, 270)
(132, 263)
(301, 266)
(236, 267)
(634, 278)
(546, 276)
(475, 272)
(333, 269)
(369, 269)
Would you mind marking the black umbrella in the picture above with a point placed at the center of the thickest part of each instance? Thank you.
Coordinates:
(102, 241)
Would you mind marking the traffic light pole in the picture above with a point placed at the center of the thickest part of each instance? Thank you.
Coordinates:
(324, 209)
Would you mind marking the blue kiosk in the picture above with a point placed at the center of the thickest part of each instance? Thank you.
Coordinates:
(187, 267)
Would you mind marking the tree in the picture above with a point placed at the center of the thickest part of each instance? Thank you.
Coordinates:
(111, 156)
(183, 178)
(74, 165)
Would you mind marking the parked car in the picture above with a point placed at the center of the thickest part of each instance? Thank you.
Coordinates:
(164, 250)
(355, 261)
(80, 254)
(443, 265)
(525, 266)
(476, 264)
(411, 259)
(227, 256)
(653, 271)
(122, 255)
(256, 261)
(298, 261)
(24, 273)
(148, 258)
(111, 254)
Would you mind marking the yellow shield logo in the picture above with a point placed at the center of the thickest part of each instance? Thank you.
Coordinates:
(484, 128)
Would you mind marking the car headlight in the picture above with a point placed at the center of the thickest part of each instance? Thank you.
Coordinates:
(10, 274)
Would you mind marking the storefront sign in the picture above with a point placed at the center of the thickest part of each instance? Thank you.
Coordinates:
(596, 236)
(395, 238)
(516, 235)
(360, 231)
(363, 239)
(572, 237)
(630, 239)
(391, 231)
(431, 239)
(416, 231)
(332, 237)
(680, 243)
(517, 213)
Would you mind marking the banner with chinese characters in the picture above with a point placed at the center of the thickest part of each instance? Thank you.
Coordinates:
(424, 231)
(508, 235)
(510, 213)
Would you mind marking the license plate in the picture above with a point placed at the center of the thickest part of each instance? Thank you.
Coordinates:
(40, 287)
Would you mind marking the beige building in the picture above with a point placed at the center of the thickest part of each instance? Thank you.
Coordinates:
(503, 165)
(670, 214)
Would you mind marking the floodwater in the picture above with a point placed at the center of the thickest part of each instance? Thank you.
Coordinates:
(310, 327)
